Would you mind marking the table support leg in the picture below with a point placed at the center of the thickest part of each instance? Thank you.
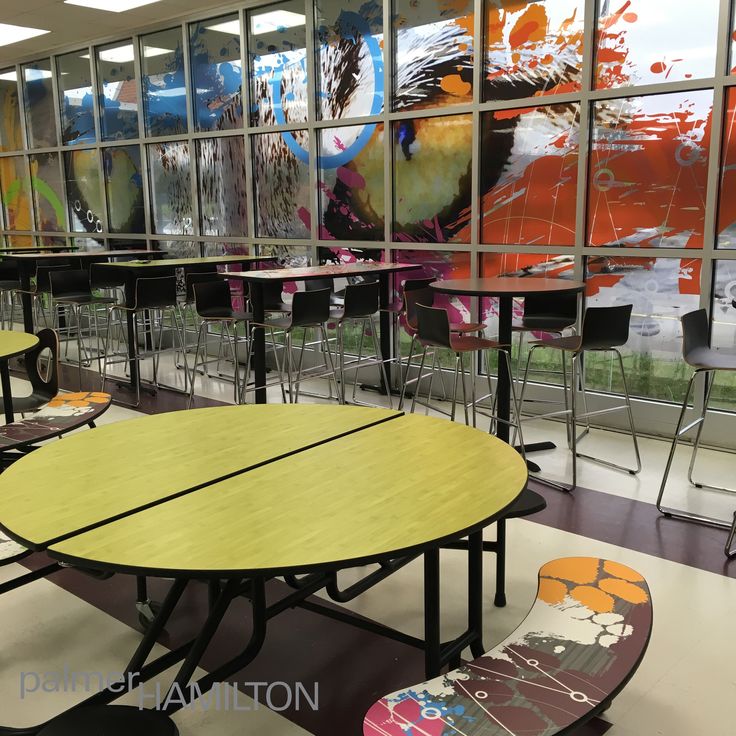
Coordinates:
(24, 276)
(475, 592)
(433, 645)
(258, 343)
(500, 600)
(503, 391)
(181, 692)
(7, 393)
(385, 325)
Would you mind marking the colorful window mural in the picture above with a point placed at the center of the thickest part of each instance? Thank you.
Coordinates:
(350, 77)
(723, 332)
(223, 204)
(217, 73)
(351, 191)
(277, 40)
(76, 98)
(727, 192)
(38, 98)
(11, 138)
(119, 91)
(164, 86)
(124, 188)
(16, 191)
(661, 290)
(648, 170)
(529, 175)
(171, 188)
(645, 42)
(84, 191)
(48, 191)
(281, 182)
(433, 43)
(432, 163)
(532, 48)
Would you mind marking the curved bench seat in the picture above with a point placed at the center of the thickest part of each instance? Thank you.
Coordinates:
(581, 642)
(64, 413)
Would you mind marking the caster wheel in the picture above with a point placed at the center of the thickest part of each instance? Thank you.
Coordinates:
(147, 612)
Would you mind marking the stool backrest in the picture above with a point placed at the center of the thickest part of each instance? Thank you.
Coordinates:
(433, 326)
(102, 276)
(318, 284)
(423, 295)
(212, 298)
(542, 307)
(68, 282)
(155, 292)
(198, 277)
(695, 333)
(606, 327)
(272, 295)
(310, 308)
(44, 385)
(361, 300)
(43, 274)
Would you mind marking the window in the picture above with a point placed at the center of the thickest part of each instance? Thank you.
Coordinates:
(119, 91)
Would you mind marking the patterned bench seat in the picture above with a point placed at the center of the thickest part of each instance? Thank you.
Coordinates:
(62, 414)
(581, 642)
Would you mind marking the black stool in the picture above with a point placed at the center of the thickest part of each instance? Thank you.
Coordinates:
(110, 720)
(605, 329)
(698, 354)
(213, 305)
(361, 305)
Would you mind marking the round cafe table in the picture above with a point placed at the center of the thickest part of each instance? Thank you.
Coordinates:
(12, 344)
(239, 495)
(506, 289)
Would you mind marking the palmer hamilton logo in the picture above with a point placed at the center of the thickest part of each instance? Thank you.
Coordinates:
(222, 696)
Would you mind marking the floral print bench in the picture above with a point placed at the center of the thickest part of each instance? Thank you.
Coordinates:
(583, 639)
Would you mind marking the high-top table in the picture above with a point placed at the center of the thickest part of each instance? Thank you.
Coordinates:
(36, 248)
(507, 288)
(12, 344)
(132, 270)
(257, 280)
(27, 263)
(245, 493)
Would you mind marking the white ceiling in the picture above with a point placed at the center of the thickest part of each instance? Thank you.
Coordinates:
(72, 24)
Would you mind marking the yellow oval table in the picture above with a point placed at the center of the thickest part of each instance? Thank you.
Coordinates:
(12, 344)
(238, 495)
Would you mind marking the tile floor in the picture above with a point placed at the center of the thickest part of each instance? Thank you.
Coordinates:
(686, 684)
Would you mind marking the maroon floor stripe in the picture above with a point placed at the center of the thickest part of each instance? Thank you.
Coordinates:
(635, 525)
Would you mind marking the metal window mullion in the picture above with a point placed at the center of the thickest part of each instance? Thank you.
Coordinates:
(389, 77)
(96, 93)
(246, 98)
(57, 102)
(141, 139)
(585, 136)
(191, 117)
(311, 51)
(20, 81)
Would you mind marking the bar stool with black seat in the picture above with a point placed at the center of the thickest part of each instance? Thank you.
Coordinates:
(189, 313)
(71, 292)
(361, 305)
(40, 289)
(154, 299)
(309, 310)
(703, 359)
(434, 332)
(213, 305)
(605, 329)
(9, 283)
(424, 295)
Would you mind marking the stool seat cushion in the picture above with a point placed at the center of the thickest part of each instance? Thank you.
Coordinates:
(569, 344)
(708, 358)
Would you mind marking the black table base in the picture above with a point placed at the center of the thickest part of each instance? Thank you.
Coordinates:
(111, 720)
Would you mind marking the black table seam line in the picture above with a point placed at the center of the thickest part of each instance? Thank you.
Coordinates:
(179, 494)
